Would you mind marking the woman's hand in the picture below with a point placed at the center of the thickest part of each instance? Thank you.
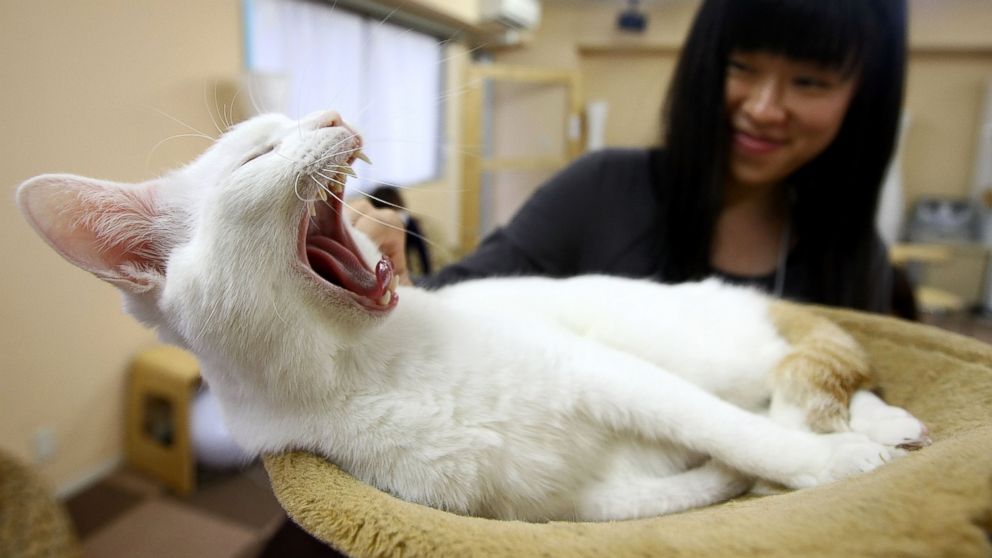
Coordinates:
(386, 229)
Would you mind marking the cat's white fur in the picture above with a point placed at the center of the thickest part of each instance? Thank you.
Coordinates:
(590, 398)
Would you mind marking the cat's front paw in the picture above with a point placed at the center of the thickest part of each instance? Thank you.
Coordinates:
(842, 455)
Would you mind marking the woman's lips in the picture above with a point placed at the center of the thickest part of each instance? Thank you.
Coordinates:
(748, 144)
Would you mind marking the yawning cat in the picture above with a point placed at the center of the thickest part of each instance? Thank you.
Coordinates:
(591, 398)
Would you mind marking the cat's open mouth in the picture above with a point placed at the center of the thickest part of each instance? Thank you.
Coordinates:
(330, 254)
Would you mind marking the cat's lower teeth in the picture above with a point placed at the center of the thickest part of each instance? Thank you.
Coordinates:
(385, 298)
(311, 208)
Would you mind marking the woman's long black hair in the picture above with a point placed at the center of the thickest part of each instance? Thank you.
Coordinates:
(835, 195)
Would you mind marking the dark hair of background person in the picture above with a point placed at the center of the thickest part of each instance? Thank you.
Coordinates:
(389, 197)
(835, 196)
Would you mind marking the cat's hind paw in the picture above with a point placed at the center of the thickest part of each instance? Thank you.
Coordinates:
(886, 424)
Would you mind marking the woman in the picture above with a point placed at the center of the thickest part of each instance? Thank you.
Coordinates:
(779, 125)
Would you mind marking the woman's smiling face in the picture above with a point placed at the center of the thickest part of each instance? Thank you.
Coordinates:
(782, 113)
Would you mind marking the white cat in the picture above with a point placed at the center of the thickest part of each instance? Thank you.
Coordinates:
(591, 398)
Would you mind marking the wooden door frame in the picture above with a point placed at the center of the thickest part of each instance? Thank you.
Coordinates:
(475, 162)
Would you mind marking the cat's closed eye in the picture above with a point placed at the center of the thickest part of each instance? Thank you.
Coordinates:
(258, 153)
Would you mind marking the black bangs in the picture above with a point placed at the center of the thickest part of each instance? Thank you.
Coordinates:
(832, 33)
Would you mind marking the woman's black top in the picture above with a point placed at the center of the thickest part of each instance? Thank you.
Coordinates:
(599, 215)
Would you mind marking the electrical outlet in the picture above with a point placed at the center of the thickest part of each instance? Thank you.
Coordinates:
(45, 445)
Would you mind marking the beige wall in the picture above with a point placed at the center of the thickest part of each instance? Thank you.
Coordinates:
(83, 86)
(950, 61)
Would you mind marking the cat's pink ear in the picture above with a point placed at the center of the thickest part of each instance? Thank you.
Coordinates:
(109, 229)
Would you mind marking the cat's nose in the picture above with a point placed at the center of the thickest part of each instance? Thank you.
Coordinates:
(330, 119)
(324, 119)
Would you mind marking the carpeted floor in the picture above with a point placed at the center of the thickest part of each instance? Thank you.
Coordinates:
(229, 515)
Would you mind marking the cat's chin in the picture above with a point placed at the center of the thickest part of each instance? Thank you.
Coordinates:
(331, 258)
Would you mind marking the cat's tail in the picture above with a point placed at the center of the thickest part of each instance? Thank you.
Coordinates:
(818, 377)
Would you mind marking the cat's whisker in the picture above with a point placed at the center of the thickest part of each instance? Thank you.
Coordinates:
(419, 189)
(299, 102)
(344, 169)
(381, 23)
(154, 148)
(283, 156)
(382, 201)
(334, 152)
(337, 93)
(367, 106)
(333, 185)
(465, 53)
(368, 40)
(448, 147)
(323, 190)
(337, 193)
(180, 122)
(369, 217)
(210, 113)
(231, 107)
(308, 202)
(456, 92)
(253, 100)
(296, 190)
(222, 110)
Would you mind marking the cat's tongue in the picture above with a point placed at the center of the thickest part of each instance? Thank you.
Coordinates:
(337, 264)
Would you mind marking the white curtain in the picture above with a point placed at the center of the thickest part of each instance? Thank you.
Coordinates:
(384, 80)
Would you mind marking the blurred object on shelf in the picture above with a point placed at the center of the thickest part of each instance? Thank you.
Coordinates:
(934, 219)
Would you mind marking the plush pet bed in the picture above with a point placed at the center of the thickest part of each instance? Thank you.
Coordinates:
(33, 524)
(935, 502)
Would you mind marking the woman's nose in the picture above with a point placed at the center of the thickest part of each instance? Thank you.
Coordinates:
(765, 103)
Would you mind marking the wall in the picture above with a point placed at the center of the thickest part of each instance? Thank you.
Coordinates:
(89, 88)
(950, 63)
(951, 57)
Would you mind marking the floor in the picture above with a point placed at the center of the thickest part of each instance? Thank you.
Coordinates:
(235, 514)
(972, 325)
(230, 515)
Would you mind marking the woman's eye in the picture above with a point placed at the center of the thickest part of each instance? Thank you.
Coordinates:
(257, 154)
(811, 82)
(739, 66)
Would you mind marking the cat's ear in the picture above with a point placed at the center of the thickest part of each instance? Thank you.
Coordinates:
(106, 228)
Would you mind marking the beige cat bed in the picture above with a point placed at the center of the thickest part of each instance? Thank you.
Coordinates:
(33, 524)
(935, 502)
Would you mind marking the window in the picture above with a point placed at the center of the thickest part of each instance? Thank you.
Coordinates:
(385, 81)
